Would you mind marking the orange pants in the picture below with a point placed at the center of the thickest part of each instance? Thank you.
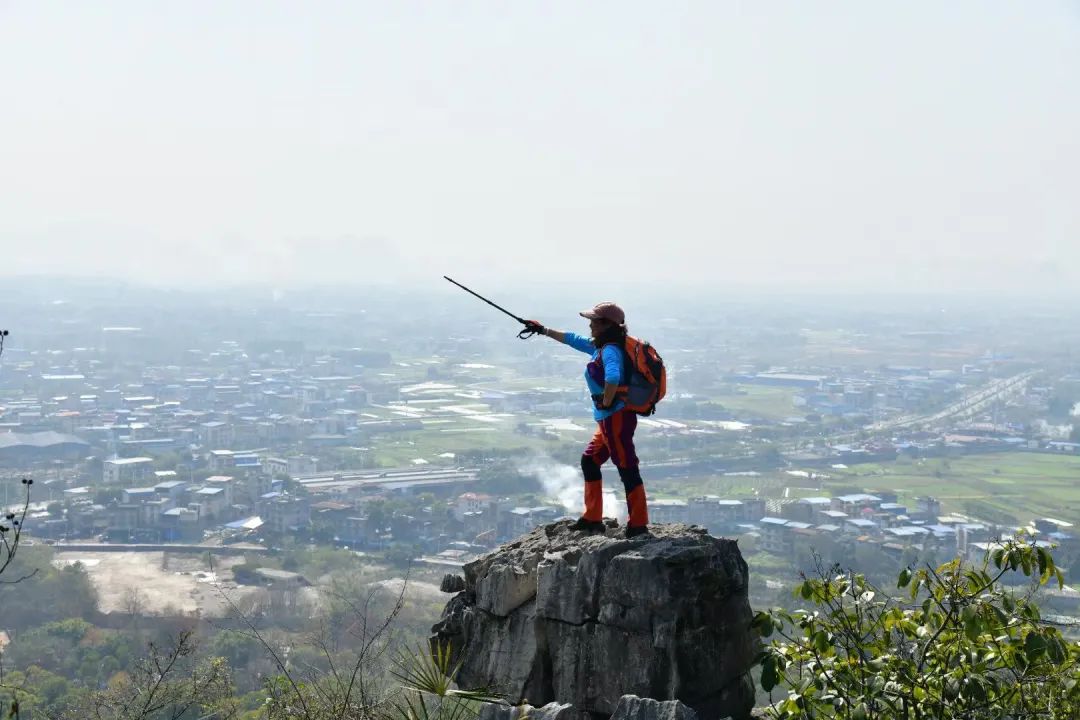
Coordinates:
(614, 439)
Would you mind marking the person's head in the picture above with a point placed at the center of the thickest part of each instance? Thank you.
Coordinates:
(607, 321)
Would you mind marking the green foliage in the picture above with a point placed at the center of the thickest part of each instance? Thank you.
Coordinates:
(427, 684)
(957, 645)
(401, 555)
(171, 681)
(244, 573)
(988, 513)
(74, 649)
(237, 648)
(503, 479)
(318, 561)
(48, 593)
(37, 690)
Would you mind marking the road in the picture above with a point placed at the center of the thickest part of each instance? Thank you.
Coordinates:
(968, 406)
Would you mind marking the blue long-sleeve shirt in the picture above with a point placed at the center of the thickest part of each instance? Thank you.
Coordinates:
(605, 366)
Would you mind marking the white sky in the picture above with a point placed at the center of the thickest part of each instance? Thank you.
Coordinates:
(861, 145)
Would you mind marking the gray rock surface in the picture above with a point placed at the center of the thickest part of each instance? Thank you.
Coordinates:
(566, 617)
(631, 707)
(452, 583)
(551, 711)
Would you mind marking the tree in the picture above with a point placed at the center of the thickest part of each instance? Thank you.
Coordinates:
(959, 645)
(377, 516)
(11, 527)
(171, 682)
(401, 555)
(503, 479)
(134, 603)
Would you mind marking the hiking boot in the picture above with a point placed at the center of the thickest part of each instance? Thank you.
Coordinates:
(635, 530)
(590, 526)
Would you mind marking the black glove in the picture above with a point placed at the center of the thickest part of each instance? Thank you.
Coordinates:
(532, 328)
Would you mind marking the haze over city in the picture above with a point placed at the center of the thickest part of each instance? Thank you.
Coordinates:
(908, 148)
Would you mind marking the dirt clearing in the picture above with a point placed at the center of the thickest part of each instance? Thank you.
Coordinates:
(155, 583)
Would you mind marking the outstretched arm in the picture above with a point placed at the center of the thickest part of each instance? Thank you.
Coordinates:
(555, 334)
(578, 342)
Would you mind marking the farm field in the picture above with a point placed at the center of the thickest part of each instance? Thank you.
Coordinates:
(1017, 485)
(773, 403)
(432, 447)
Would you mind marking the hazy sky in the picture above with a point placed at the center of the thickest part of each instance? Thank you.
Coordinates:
(905, 145)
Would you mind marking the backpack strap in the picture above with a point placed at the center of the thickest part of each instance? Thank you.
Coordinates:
(624, 388)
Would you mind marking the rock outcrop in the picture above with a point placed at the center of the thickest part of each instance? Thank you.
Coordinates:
(630, 707)
(551, 711)
(566, 617)
(452, 584)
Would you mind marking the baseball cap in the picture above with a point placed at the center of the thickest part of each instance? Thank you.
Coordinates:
(605, 311)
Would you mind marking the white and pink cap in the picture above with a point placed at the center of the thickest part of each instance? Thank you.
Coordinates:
(605, 311)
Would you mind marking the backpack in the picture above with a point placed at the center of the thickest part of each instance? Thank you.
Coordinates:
(647, 375)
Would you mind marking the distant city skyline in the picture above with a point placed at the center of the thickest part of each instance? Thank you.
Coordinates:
(848, 147)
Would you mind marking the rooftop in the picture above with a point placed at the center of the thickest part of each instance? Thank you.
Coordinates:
(129, 461)
(858, 498)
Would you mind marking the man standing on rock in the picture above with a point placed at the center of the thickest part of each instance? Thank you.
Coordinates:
(614, 437)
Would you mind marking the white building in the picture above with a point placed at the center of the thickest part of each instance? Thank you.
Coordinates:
(127, 471)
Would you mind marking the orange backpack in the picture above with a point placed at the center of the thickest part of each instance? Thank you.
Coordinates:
(647, 375)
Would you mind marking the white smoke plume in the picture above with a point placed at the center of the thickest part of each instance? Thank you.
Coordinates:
(564, 485)
(1054, 432)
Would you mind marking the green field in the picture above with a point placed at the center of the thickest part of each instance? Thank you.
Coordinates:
(772, 403)
(1020, 484)
(401, 450)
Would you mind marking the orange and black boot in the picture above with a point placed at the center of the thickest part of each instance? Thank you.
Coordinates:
(593, 518)
(638, 521)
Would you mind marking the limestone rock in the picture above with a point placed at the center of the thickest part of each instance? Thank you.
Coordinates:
(551, 711)
(566, 617)
(452, 583)
(631, 707)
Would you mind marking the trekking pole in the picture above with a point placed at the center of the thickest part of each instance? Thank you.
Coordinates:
(525, 334)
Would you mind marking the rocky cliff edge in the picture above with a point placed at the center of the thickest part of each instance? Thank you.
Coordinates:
(567, 617)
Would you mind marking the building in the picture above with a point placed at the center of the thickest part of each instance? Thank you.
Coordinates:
(668, 511)
(32, 447)
(809, 509)
(247, 464)
(715, 514)
(471, 502)
(856, 503)
(281, 578)
(211, 502)
(968, 534)
(181, 524)
(302, 465)
(220, 460)
(859, 526)
(138, 495)
(171, 489)
(520, 520)
(227, 483)
(127, 471)
(215, 434)
(285, 513)
(774, 535)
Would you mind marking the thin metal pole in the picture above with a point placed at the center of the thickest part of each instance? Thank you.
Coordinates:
(500, 309)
